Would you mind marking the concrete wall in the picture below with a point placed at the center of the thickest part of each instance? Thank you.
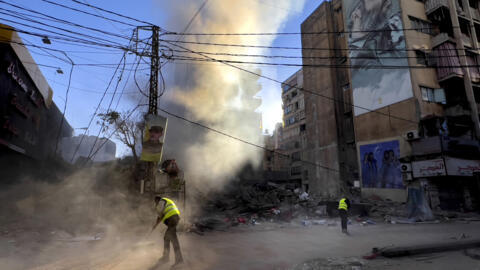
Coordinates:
(321, 130)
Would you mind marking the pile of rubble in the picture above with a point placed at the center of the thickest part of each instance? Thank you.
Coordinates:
(256, 203)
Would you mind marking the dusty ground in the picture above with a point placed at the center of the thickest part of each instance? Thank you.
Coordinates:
(265, 246)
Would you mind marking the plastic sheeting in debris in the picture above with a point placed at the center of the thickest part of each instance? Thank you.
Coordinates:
(417, 206)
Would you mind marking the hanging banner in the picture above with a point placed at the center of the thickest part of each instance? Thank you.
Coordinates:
(462, 167)
(428, 168)
(153, 138)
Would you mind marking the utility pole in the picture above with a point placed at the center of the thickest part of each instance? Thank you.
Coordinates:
(154, 68)
(153, 92)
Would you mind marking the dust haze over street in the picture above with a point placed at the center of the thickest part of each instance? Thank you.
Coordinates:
(228, 134)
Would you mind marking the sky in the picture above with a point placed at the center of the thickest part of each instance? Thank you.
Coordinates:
(89, 82)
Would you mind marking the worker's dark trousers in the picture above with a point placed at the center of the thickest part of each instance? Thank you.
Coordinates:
(343, 216)
(171, 236)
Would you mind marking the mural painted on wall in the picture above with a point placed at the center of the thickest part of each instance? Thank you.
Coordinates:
(374, 55)
(380, 165)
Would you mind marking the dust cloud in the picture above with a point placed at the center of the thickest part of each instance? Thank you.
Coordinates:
(214, 94)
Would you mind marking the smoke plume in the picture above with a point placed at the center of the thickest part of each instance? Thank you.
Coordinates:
(214, 94)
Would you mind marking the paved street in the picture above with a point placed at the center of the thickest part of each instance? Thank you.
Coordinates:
(259, 247)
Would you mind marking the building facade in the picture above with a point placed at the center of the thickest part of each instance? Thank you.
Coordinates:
(293, 140)
(31, 124)
(330, 142)
(407, 99)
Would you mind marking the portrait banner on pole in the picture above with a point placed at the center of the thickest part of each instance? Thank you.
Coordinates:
(153, 138)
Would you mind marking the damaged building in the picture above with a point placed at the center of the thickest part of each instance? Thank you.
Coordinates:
(392, 92)
(30, 121)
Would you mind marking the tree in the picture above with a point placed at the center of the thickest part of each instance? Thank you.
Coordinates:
(125, 129)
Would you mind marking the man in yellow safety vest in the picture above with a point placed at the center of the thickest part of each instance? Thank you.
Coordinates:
(169, 214)
(343, 211)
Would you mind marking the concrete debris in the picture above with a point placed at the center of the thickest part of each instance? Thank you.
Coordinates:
(473, 253)
(332, 264)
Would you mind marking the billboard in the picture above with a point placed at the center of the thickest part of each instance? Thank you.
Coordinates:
(153, 138)
(380, 166)
(376, 43)
(462, 167)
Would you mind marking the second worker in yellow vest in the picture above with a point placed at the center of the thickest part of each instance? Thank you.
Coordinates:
(343, 205)
(169, 214)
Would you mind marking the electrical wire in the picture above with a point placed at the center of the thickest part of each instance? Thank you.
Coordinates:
(88, 13)
(55, 19)
(109, 106)
(65, 104)
(96, 109)
(308, 57)
(111, 12)
(300, 48)
(295, 87)
(299, 33)
(321, 65)
(246, 142)
(113, 132)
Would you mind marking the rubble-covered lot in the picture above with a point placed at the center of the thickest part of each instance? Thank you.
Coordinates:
(250, 205)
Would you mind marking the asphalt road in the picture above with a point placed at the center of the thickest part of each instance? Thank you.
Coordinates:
(267, 246)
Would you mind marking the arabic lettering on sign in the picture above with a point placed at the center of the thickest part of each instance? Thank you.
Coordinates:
(428, 168)
(24, 110)
(462, 167)
(12, 70)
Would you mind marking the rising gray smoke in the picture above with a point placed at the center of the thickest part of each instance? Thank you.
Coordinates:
(216, 95)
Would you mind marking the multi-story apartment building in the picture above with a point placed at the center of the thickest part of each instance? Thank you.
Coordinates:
(401, 92)
(330, 142)
(292, 141)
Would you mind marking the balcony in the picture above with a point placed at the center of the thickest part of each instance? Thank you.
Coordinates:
(459, 147)
(448, 63)
(441, 38)
(433, 5)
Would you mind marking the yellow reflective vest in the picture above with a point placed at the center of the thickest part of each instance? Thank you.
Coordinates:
(169, 210)
(343, 204)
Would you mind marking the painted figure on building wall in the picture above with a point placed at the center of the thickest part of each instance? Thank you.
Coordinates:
(376, 41)
(369, 169)
(380, 165)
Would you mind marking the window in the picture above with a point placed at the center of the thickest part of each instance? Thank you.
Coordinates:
(433, 95)
(421, 57)
(296, 170)
(296, 105)
(473, 4)
(303, 127)
(421, 25)
(288, 109)
(291, 120)
(288, 86)
(294, 94)
(297, 144)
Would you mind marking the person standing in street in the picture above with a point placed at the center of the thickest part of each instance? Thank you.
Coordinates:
(343, 206)
(169, 214)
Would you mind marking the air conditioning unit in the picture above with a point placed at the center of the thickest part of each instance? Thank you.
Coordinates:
(406, 167)
(411, 135)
